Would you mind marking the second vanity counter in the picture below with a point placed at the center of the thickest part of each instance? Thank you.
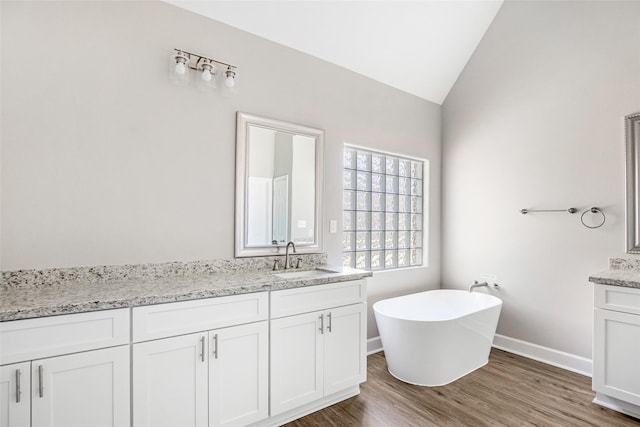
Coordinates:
(616, 328)
(621, 272)
(77, 296)
(626, 278)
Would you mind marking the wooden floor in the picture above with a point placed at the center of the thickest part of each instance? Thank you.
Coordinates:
(509, 391)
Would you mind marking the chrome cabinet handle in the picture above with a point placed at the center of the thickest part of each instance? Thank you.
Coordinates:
(41, 380)
(321, 323)
(202, 348)
(329, 326)
(18, 391)
(215, 346)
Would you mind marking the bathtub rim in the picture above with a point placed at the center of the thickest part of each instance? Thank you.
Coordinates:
(495, 302)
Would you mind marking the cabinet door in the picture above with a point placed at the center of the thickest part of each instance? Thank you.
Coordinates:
(15, 395)
(296, 361)
(170, 382)
(345, 362)
(238, 375)
(616, 367)
(83, 389)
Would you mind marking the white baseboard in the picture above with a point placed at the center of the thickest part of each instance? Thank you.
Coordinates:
(570, 362)
(560, 359)
(374, 345)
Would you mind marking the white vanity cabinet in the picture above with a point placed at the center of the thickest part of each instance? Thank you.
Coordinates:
(70, 370)
(90, 388)
(616, 355)
(217, 376)
(252, 359)
(15, 394)
(170, 382)
(318, 343)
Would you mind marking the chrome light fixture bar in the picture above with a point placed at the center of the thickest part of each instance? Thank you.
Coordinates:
(182, 61)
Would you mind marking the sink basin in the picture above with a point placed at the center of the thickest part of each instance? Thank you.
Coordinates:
(305, 273)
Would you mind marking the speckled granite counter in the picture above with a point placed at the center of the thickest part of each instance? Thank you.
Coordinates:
(77, 292)
(622, 272)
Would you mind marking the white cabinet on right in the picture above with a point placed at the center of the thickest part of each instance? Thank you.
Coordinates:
(318, 344)
(616, 349)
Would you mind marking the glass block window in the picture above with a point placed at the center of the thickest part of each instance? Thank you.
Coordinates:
(383, 210)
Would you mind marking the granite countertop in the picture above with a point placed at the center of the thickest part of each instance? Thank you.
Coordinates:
(629, 279)
(76, 296)
(622, 272)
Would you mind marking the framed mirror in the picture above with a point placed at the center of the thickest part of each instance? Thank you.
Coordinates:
(278, 186)
(632, 131)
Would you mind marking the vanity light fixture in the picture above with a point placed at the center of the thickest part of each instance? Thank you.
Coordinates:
(206, 68)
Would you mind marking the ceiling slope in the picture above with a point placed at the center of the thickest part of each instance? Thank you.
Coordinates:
(419, 47)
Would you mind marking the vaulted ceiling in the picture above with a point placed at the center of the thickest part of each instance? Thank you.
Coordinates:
(418, 46)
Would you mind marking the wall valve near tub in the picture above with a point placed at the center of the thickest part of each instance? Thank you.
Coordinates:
(477, 284)
(491, 279)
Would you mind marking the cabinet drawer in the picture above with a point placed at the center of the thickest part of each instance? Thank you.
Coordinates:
(618, 298)
(288, 302)
(185, 317)
(51, 336)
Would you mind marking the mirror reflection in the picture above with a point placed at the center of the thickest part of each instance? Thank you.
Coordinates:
(278, 186)
(632, 130)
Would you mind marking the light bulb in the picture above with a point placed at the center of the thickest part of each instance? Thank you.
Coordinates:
(180, 67)
(206, 75)
(230, 80)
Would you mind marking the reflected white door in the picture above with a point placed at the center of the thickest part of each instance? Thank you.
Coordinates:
(280, 208)
(259, 215)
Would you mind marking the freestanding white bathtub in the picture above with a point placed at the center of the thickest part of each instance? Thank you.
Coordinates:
(435, 337)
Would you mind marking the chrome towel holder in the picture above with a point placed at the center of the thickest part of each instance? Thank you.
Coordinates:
(570, 210)
(594, 210)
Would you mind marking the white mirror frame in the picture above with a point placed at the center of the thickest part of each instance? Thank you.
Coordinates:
(243, 122)
(632, 132)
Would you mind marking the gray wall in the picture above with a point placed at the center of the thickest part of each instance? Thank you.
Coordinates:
(536, 121)
(105, 162)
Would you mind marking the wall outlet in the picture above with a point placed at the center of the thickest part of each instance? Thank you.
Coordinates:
(333, 226)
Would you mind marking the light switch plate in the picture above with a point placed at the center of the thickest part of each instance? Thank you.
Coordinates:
(333, 226)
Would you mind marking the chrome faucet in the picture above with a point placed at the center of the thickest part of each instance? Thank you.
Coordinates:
(477, 285)
(286, 254)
